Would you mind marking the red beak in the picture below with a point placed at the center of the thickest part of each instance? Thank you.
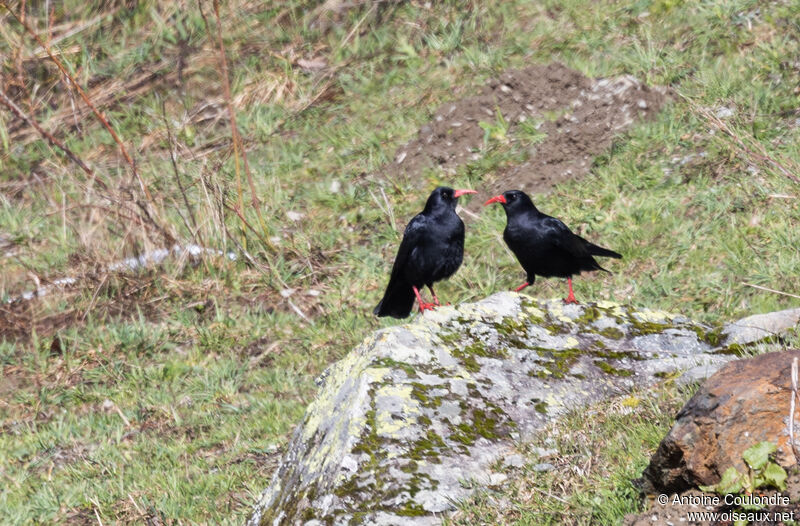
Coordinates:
(496, 199)
(459, 193)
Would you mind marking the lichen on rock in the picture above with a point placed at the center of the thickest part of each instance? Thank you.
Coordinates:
(415, 411)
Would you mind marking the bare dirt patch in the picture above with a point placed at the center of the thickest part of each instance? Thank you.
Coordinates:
(579, 115)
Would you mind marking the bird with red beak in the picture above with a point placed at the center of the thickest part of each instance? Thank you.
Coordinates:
(544, 246)
(431, 250)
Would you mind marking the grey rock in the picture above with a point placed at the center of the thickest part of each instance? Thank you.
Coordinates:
(418, 416)
(514, 461)
(544, 453)
(724, 112)
(760, 327)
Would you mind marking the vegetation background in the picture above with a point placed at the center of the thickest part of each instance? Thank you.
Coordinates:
(259, 129)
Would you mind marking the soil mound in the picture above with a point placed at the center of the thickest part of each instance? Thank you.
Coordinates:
(579, 115)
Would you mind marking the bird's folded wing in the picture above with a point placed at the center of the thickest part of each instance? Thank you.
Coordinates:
(411, 238)
(562, 237)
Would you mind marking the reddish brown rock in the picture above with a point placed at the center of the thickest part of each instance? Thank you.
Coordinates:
(744, 403)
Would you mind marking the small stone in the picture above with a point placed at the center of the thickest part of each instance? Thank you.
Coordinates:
(724, 112)
(543, 466)
(350, 464)
(495, 479)
(514, 461)
(545, 452)
(294, 216)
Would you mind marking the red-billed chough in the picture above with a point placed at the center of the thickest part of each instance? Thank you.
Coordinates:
(544, 245)
(431, 250)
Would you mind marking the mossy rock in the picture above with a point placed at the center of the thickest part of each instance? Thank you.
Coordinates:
(417, 409)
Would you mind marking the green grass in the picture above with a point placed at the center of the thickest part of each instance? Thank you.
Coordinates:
(209, 364)
(595, 454)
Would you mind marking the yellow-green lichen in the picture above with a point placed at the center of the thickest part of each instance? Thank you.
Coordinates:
(642, 325)
(654, 316)
(612, 308)
(387, 423)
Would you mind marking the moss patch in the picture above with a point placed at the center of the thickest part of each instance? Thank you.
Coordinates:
(394, 364)
(428, 448)
(610, 369)
(556, 363)
(612, 333)
(420, 392)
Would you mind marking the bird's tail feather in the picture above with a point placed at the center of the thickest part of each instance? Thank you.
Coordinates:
(596, 250)
(397, 302)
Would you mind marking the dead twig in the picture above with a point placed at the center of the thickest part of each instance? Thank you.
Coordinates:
(16, 110)
(748, 150)
(175, 167)
(759, 287)
(85, 98)
(238, 147)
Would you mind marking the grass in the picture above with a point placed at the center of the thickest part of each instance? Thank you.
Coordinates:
(591, 467)
(170, 392)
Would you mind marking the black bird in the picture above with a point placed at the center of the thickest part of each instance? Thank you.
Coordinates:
(544, 245)
(431, 250)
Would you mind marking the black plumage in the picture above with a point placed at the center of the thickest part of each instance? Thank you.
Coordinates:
(432, 250)
(544, 245)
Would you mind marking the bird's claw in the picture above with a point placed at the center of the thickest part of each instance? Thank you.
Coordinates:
(570, 300)
(426, 306)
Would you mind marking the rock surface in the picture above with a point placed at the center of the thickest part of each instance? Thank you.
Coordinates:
(744, 403)
(418, 415)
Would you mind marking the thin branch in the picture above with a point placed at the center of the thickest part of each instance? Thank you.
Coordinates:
(759, 287)
(238, 146)
(85, 98)
(743, 149)
(175, 164)
(8, 103)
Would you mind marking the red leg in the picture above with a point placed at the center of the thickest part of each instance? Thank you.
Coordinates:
(422, 305)
(571, 295)
(435, 299)
(521, 287)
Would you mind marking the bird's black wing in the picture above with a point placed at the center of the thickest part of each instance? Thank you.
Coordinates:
(555, 231)
(411, 238)
(398, 300)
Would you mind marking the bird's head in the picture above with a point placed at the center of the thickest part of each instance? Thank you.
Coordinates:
(444, 197)
(512, 200)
